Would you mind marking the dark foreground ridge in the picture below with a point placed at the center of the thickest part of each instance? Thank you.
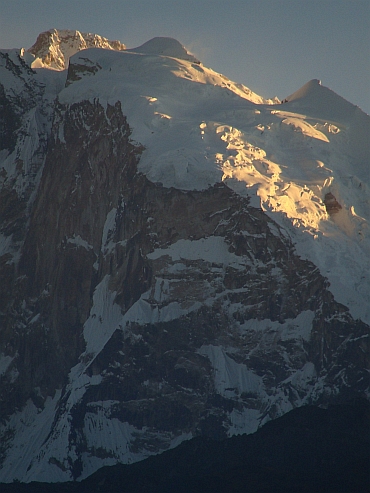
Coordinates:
(307, 450)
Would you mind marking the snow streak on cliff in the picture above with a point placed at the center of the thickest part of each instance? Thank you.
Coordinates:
(179, 255)
(199, 128)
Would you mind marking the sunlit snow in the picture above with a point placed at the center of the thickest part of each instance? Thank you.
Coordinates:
(199, 128)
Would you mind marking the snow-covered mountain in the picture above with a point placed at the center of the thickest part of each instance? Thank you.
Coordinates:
(54, 48)
(178, 256)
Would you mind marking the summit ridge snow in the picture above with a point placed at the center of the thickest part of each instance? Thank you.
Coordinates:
(199, 129)
(167, 47)
(180, 256)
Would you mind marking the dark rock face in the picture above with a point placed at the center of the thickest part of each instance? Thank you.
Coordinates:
(55, 276)
(331, 204)
(166, 313)
(24, 123)
(308, 449)
(9, 122)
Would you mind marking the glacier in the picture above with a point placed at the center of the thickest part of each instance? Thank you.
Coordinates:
(217, 283)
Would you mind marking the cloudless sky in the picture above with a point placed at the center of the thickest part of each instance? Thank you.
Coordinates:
(271, 46)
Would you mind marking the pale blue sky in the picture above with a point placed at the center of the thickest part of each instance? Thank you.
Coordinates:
(271, 46)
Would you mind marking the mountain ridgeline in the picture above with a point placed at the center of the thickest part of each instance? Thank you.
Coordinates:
(179, 258)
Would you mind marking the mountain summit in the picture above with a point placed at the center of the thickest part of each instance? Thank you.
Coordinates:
(54, 48)
(179, 256)
(166, 47)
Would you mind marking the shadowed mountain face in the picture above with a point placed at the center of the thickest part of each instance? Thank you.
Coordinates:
(135, 316)
(54, 48)
(308, 449)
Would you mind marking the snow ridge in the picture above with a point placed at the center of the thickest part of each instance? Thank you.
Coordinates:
(197, 129)
(166, 47)
(54, 48)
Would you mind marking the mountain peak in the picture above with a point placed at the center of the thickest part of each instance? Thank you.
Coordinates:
(177, 257)
(53, 48)
(310, 87)
(322, 101)
(166, 47)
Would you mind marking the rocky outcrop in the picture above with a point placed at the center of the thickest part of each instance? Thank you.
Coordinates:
(135, 316)
(55, 272)
(54, 48)
(25, 125)
(331, 204)
(321, 450)
(234, 328)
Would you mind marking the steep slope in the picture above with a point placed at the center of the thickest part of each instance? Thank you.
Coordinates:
(180, 265)
(27, 105)
(200, 129)
(308, 449)
(166, 47)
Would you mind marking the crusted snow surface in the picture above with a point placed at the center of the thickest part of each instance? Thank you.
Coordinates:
(48, 458)
(5, 362)
(31, 96)
(175, 293)
(44, 446)
(79, 242)
(108, 230)
(6, 244)
(213, 249)
(46, 442)
(233, 379)
(104, 318)
(30, 427)
(230, 376)
(243, 421)
(35, 126)
(199, 128)
(166, 47)
(104, 432)
(297, 328)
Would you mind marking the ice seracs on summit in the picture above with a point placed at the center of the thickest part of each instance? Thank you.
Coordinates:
(178, 255)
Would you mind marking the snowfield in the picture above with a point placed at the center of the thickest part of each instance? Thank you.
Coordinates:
(199, 128)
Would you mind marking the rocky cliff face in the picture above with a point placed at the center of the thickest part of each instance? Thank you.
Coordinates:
(54, 48)
(135, 316)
